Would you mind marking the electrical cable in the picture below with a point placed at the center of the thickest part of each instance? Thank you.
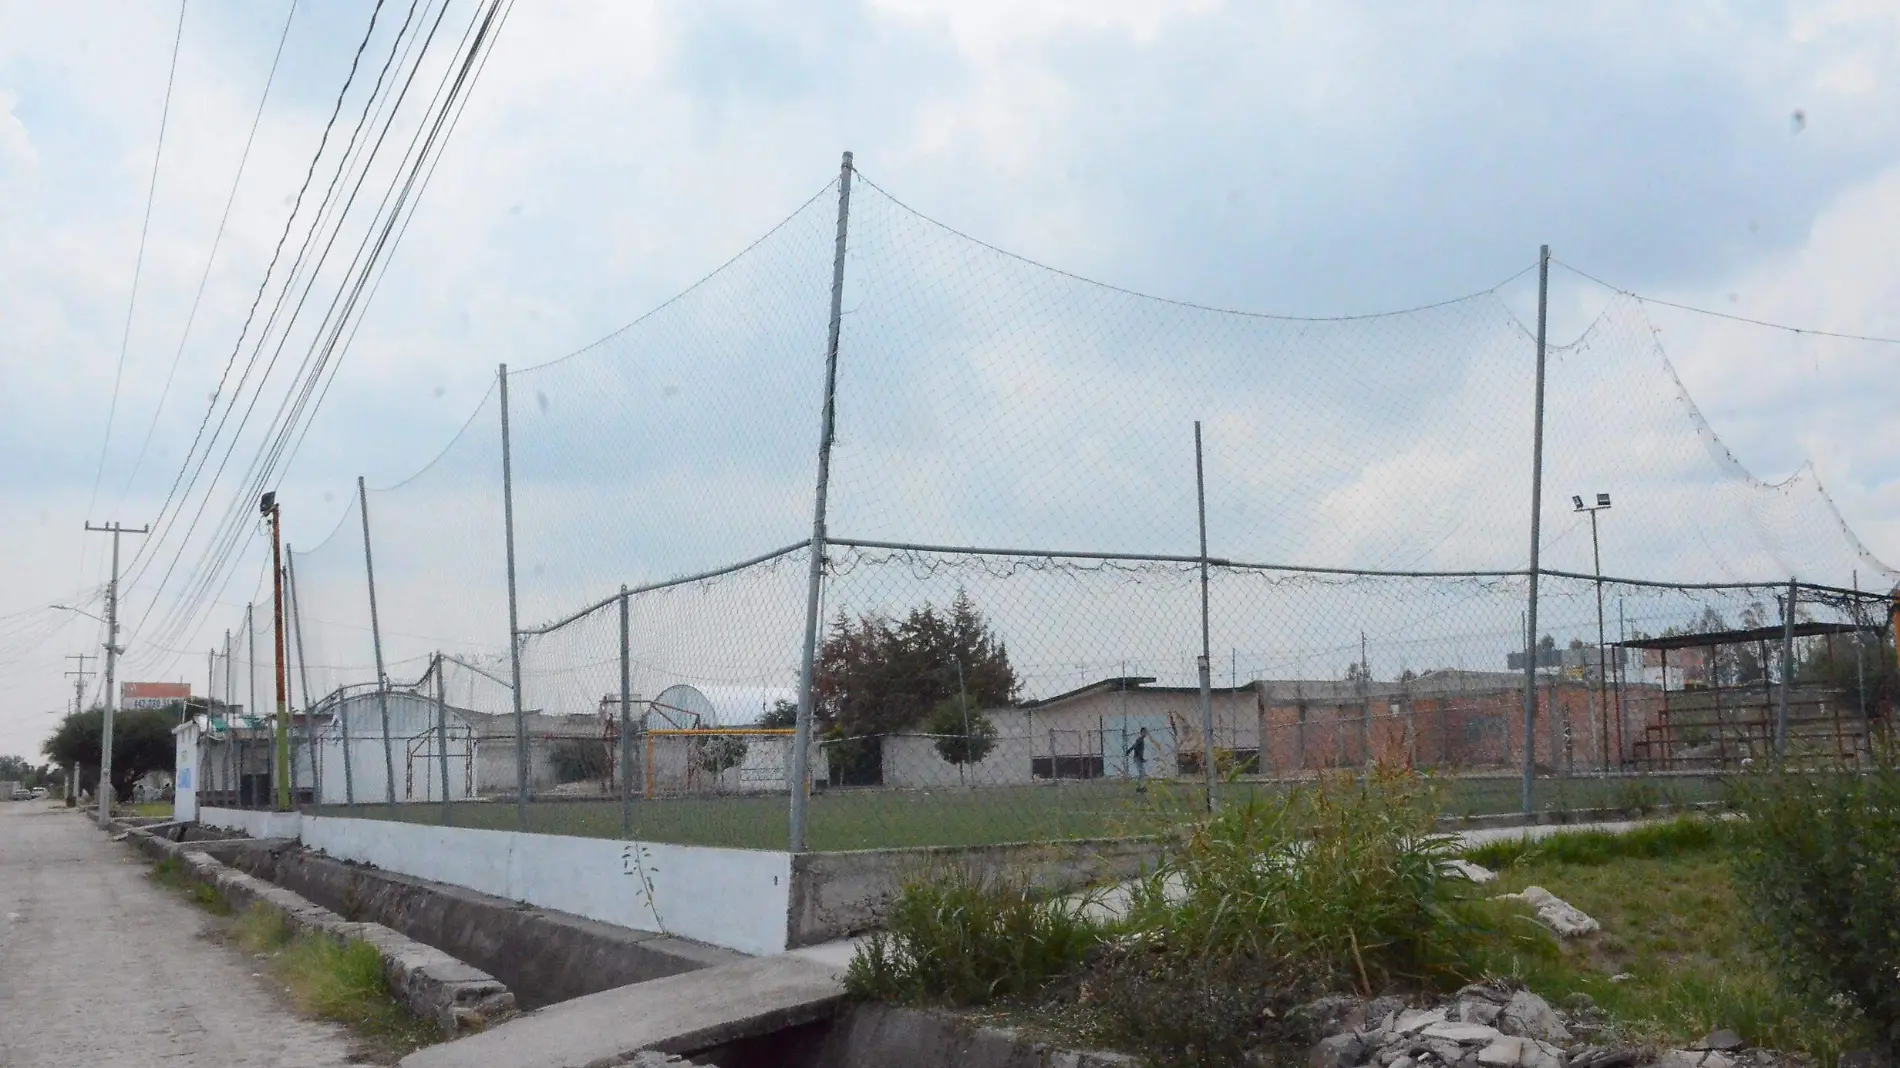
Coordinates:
(361, 268)
(138, 263)
(217, 240)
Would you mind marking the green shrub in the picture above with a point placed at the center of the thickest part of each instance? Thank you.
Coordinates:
(968, 939)
(1816, 861)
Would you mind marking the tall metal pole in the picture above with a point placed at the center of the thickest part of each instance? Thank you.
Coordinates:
(250, 707)
(1537, 518)
(376, 640)
(1787, 672)
(1860, 649)
(442, 733)
(1622, 669)
(801, 737)
(112, 664)
(303, 675)
(1203, 666)
(626, 720)
(514, 611)
(1603, 671)
(283, 771)
(230, 723)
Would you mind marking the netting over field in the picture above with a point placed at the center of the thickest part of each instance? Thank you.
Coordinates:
(1018, 440)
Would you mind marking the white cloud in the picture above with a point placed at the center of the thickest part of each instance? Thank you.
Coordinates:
(1301, 158)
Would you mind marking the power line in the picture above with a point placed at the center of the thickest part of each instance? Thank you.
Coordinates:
(216, 240)
(1785, 328)
(138, 263)
(263, 287)
(370, 257)
(229, 528)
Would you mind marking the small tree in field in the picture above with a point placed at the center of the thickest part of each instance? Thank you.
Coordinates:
(963, 736)
(719, 753)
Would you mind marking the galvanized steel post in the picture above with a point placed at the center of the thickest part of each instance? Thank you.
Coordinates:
(1207, 682)
(376, 640)
(1537, 518)
(801, 737)
(626, 721)
(514, 614)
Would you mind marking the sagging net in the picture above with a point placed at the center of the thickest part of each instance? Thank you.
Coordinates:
(1019, 440)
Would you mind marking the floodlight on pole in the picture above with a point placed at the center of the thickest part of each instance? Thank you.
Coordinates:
(1596, 558)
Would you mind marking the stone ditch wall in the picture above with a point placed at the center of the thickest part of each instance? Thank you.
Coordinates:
(431, 983)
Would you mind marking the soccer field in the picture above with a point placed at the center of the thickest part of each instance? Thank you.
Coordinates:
(873, 818)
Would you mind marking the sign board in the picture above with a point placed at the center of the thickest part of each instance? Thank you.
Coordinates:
(152, 694)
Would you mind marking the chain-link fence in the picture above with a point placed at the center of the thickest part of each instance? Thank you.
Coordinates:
(621, 619)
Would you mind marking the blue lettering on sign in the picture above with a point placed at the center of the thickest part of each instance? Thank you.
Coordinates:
(184, 777)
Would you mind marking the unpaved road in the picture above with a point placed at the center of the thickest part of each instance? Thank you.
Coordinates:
(98, 967)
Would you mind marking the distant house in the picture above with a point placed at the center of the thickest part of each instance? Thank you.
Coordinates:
(1447, 718)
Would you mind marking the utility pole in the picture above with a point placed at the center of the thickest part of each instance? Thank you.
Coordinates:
(112, 664)
(280, 749)
(79, 679)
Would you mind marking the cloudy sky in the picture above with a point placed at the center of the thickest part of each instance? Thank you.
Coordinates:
(1295, 159)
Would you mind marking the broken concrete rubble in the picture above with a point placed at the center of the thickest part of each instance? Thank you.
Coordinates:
(1556, 913)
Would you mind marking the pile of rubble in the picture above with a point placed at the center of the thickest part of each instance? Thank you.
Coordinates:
(1491, 1026)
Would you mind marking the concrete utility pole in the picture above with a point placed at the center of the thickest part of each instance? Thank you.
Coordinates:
(112, 664)
(78, 676)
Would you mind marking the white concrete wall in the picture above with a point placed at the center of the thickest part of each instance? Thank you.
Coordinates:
(418, 770)
(912, 761)
(737, 898)
(253, 823)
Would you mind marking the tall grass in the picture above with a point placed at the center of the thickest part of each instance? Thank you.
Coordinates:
(1817, 864)
(1683, 835)
(1338, 885)
(332, 979)
(968, 939)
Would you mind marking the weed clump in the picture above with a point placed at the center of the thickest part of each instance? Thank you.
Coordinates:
(1816, 861)
(1677, 837)
(966, 939)
(1339, 886)
(1342, 885)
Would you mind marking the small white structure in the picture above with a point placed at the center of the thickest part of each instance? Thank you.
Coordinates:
(354, 764)
(225, 760)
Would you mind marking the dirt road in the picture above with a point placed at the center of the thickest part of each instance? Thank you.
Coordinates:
(98, 967)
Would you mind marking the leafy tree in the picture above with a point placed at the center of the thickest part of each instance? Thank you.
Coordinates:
(783, 715)
(1358, 672)
(18, 769)
(141, 742)
(717, 753)
(964, 736)
(877, 675)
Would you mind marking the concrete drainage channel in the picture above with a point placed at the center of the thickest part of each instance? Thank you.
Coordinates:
(596, 994)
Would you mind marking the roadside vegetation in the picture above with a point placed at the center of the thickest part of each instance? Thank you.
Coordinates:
(1775, 923)
(323, 977)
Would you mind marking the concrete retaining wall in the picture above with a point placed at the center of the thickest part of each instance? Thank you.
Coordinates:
(254, 824)
(836, 895)
(543, 956)
(734, 898)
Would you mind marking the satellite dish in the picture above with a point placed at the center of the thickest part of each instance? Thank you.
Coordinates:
(682, 707)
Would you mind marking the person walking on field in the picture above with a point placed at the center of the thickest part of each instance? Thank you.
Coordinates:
(1138, 752)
